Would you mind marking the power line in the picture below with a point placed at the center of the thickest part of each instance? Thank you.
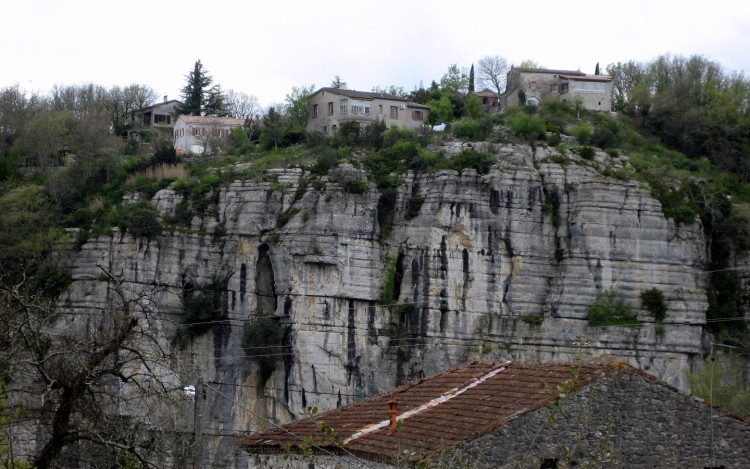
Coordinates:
(364, 465)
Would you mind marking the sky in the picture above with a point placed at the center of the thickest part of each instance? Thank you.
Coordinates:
(264, 48)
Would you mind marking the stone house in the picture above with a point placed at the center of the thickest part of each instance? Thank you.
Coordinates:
(157, 120)
(489, 100)
(330, 107)
(511, 415)
(201, 134)
(592, 91)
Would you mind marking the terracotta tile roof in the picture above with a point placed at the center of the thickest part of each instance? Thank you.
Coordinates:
(210, 120)
(437, 412)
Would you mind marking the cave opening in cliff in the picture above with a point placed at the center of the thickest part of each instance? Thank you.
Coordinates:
(265, 284)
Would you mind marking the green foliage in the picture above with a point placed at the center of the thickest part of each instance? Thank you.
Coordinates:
(298, 106)
(721, 384)
(586, 152)
(471, 158)
(472, 129)
(725, 296)
(582, 133)
(262, 339)
(286, 216)
(530, 128)
(388, 282)
(551, 205)
(138, 219)
(554, 140)
(199, 97)
(652, 300)
(27, 226)
(201, 307)
(441, 110)
(415, 204)
(532, 320)
(610, 308)
(473, 107)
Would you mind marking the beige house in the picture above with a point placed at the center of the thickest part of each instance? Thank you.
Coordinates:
(203, 134)
(592, 91)
(330, 107)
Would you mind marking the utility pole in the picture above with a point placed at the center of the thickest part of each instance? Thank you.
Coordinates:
(200, 401)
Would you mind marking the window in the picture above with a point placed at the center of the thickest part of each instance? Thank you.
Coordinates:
(315, 110)
(394, 112)
(589, 87)
(564, 87)
(553, 88)
(484, 100)
(333, 128)
(330, 108)
(182, 132)
(417, 115)
(532, 85)
(162, 119)
(343, 105)
(361, 107)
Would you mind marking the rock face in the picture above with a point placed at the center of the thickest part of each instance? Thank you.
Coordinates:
(498, 266)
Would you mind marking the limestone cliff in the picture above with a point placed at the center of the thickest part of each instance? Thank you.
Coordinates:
(498, 266)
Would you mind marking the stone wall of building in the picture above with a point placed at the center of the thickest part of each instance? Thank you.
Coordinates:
(623, 420)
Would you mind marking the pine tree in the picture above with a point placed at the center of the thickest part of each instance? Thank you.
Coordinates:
(471, 79)
(596, 71)
(199, 97)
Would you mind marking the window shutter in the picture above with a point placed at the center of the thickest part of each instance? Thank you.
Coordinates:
(550, 87)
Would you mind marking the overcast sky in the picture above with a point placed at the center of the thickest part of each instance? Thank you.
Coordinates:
(265, 48)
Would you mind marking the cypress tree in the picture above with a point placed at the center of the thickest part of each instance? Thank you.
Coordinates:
(471, 79)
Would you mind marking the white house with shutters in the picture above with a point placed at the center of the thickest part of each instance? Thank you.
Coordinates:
(330, 107)
(201, 134)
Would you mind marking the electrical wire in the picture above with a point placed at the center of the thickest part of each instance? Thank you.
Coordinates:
(285, 430)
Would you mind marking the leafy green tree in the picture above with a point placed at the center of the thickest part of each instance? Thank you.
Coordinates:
(528, 63)
(473, 107)
(454, 81)
(441, 110)
(200, 97)
(298, 106)
(273, 129)
(530, 128)
(45, 138)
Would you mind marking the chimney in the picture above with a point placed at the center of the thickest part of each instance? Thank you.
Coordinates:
(165, 98)
(392, 411)
(342, 86)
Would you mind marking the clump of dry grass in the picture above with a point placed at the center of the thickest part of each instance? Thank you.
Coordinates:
(97, 203)
(162, 171)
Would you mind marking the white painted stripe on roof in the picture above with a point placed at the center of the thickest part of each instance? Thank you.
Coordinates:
(438, 400)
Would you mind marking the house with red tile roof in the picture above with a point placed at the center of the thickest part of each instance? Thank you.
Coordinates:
(503, 415)
(203, 134)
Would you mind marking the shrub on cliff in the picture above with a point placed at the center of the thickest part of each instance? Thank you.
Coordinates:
(261, 340)
(611, 309)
